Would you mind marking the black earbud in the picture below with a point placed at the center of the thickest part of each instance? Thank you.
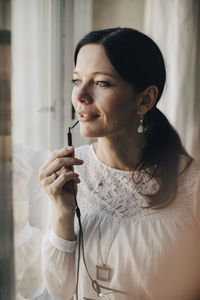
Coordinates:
(69, 135)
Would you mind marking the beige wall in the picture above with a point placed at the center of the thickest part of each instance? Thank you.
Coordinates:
(124, 13)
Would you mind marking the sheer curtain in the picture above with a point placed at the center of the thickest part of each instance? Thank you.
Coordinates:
(36, 92)
(39, 110)
(174, 25)
(43, 37)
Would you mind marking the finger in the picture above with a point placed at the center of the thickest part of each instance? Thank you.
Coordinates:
(58, 164)
(65, 151)
(76, 180)
(58, 184)
(50, 179)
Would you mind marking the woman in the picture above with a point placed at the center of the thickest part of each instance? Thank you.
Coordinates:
(139, 190)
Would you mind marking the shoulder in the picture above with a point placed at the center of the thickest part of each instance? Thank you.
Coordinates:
(193, 175)
(189, 170)
(193, 187)
(83, 151)
(189, 182)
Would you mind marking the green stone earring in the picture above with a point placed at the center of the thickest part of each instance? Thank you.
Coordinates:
(140, 127)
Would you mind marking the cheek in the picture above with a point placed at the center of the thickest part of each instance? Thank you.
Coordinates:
(119, 106)
(73, 97)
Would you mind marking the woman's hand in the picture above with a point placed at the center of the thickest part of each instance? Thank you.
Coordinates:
(60, 189)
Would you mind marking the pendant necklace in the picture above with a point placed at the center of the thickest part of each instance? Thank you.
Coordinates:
(103, 271)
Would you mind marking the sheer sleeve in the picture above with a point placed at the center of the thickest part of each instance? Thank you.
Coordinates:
(29, 281)
(31, 218)
(58, 264)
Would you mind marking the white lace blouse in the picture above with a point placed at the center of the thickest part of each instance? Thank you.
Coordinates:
(153, 254)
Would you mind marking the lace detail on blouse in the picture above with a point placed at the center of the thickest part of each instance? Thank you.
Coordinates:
(121, 193)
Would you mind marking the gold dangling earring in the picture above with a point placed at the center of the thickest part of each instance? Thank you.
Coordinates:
(140, 127)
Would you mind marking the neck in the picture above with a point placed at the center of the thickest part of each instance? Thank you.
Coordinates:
(121, 153)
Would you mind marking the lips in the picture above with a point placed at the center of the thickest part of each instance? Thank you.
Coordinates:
(87, 116)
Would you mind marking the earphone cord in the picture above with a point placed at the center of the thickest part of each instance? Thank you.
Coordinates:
(78, 214)
(95, 285)
(80, 244)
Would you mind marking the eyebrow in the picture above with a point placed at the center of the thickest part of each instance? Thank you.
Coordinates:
(98, 73)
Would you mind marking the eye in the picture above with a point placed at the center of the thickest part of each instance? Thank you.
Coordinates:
(76, 82)
(102, 83)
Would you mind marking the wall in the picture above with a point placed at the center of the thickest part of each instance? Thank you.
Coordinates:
(112, 13)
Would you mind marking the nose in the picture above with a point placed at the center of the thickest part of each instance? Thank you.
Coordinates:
(82, 94)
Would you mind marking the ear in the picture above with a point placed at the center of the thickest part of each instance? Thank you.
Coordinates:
(147, 99)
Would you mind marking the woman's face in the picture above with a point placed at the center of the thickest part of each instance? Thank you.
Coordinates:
(105, 103)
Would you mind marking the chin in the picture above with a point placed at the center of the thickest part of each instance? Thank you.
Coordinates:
(90, 133)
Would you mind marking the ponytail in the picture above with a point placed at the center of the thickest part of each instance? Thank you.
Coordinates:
(161, 157)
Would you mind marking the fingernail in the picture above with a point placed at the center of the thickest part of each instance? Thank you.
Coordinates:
(77, 180)
(70, 148)
(81, 161)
